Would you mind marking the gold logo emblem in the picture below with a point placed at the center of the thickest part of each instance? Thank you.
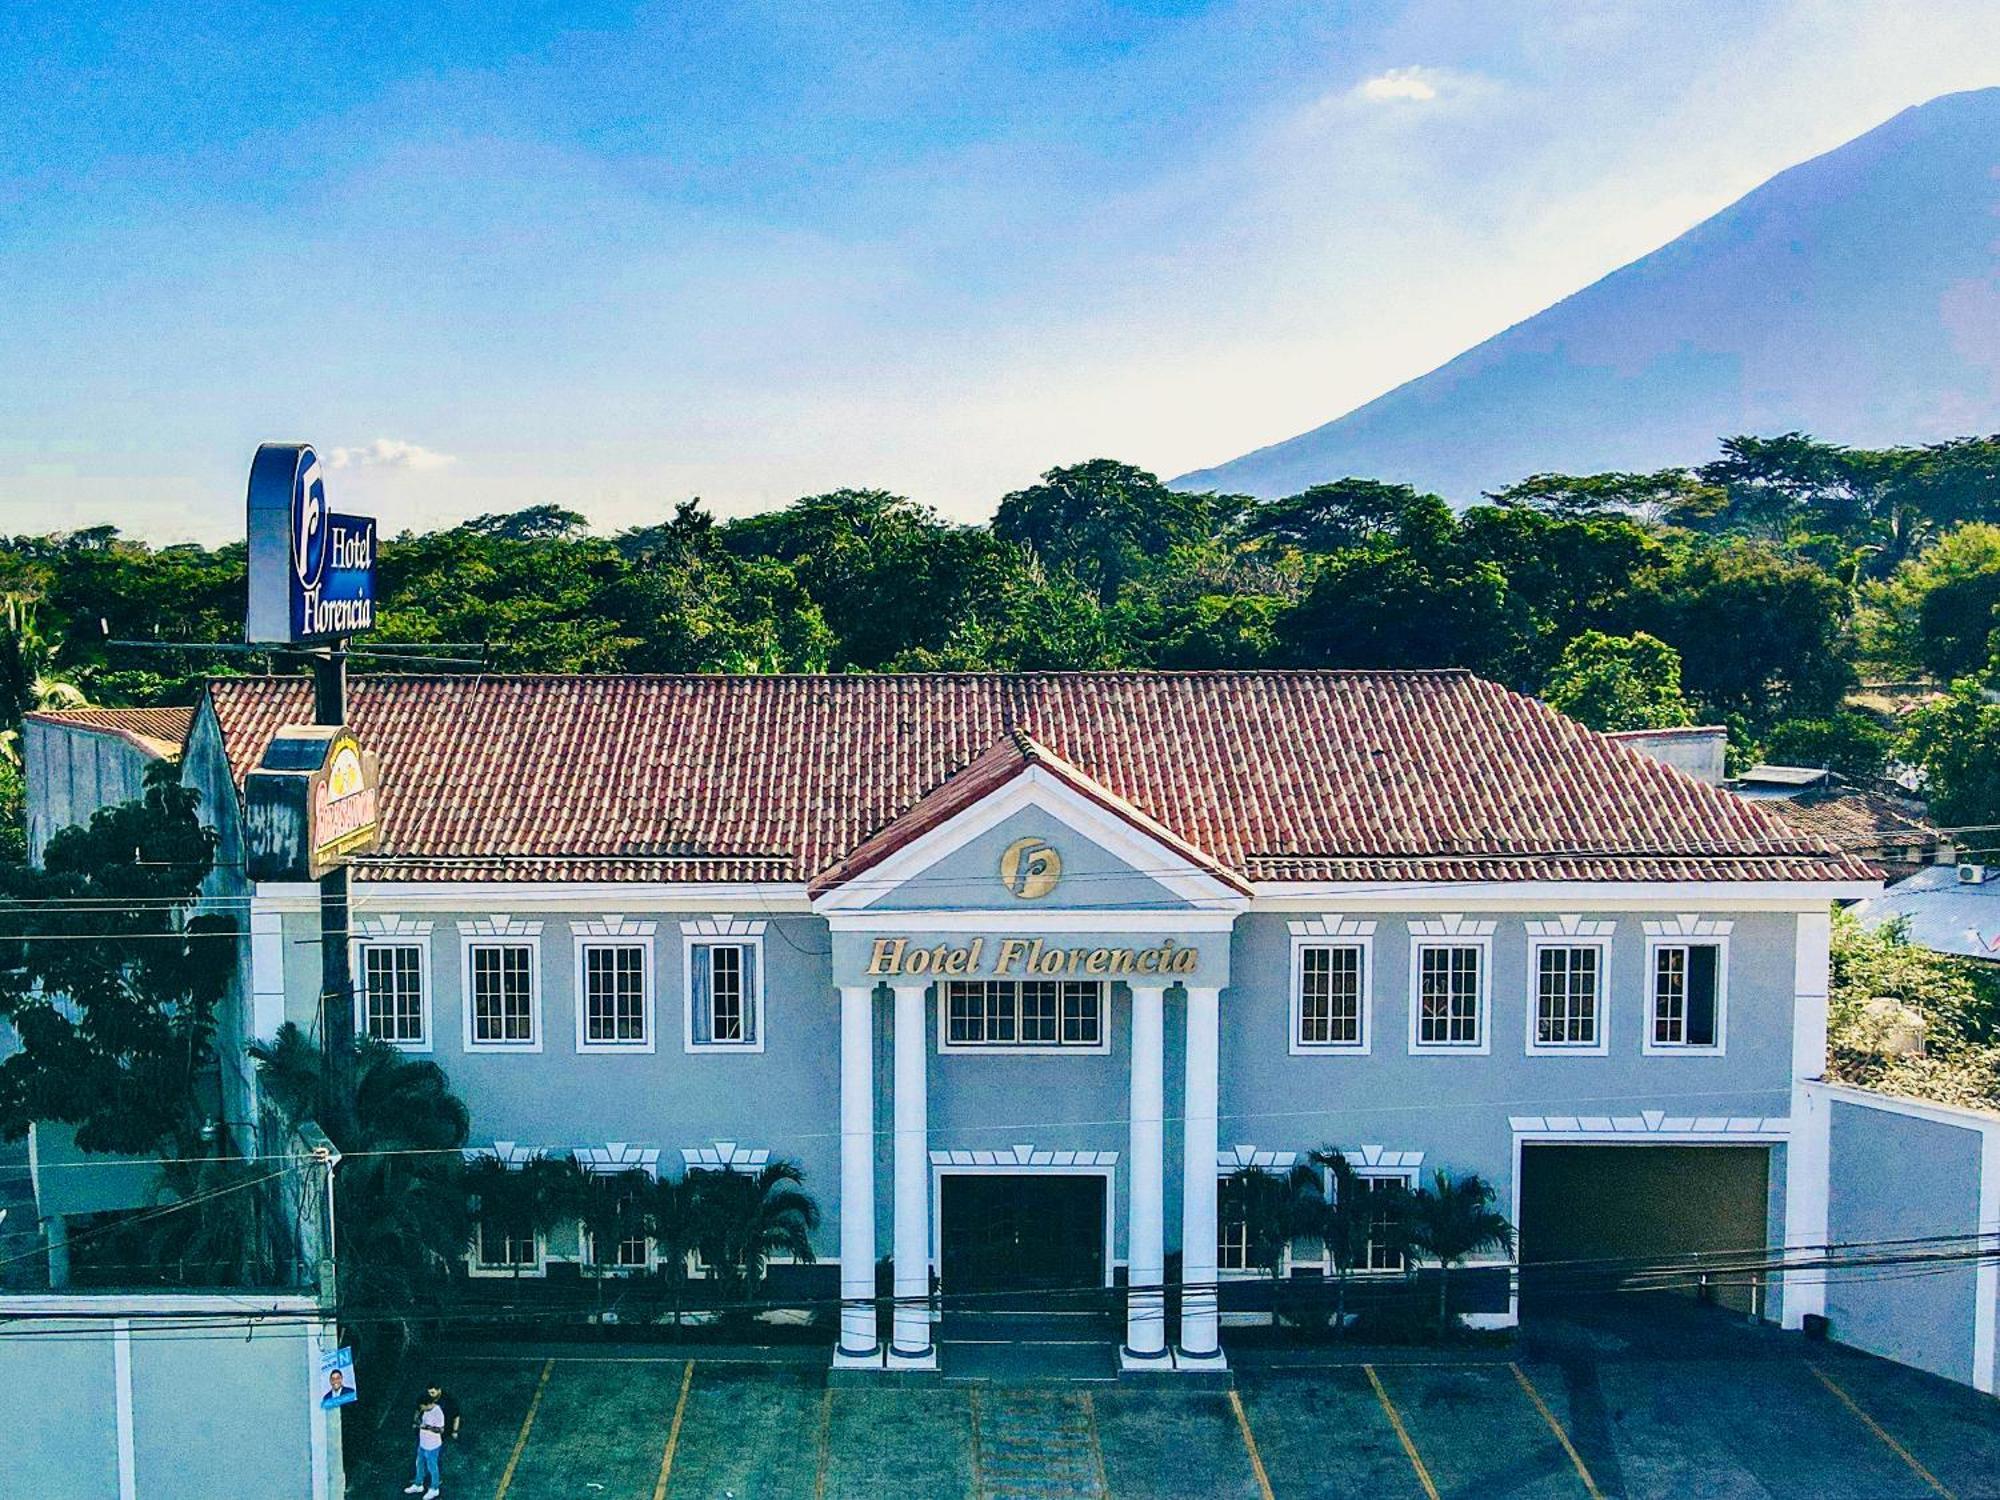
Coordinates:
(1030, 868)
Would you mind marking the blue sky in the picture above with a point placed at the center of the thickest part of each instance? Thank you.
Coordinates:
(615, 255)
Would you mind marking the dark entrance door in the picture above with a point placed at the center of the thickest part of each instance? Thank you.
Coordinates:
(1024, 1233)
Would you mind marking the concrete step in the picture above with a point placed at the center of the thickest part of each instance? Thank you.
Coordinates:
(1034, 1445)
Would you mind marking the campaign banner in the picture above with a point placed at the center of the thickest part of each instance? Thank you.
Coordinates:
(336, 1378)
(312, 569)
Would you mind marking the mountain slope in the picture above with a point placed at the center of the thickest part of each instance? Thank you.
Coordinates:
(1855, 296)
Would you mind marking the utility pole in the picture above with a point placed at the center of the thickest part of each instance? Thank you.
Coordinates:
(336, 1050)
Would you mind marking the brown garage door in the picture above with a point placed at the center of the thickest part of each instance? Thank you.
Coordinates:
(1642, 1205)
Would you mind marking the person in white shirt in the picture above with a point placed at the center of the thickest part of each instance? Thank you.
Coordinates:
(429, 1477)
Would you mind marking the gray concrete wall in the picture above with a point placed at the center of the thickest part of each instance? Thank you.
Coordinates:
(1903, 1174)
(125, 1396)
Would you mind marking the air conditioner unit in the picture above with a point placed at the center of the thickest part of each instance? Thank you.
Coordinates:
(1970, 874)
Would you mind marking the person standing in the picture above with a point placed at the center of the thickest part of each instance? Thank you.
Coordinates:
(429, 1476)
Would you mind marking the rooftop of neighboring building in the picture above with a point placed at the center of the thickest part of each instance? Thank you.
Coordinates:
(158, 731)
(1946, 908)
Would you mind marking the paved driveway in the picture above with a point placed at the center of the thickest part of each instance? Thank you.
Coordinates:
(1602, 1408)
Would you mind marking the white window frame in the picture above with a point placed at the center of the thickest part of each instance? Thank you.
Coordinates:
(1407, 1177)
(615, 932)
(1333, 932)
(722, 932)
(1452, 931)
(1569, 932)
(358, 951)
(1246, 1271)
(1687, 932)
(1099, 1048)
(501, 932)
(475, 1266)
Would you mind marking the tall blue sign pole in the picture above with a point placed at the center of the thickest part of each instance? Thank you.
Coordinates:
(312, 585)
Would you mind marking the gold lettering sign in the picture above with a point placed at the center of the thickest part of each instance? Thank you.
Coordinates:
(1026, 958)
(1030, 868)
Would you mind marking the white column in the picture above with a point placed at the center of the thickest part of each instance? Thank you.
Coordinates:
(910, 1341)
(1199, 1348)
(1145, 1232)
(858, 1343)
(1808, 1167)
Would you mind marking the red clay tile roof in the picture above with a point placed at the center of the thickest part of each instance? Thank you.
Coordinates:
(158, 731)
(1011, 755)
(1277, 775)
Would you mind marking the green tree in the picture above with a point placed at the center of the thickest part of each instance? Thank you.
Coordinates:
(111, 976)
(528, 1200)
(1759, 633)
(1275, 1209)
(1936, 614)
(1956, 741)
(1852, 743)
(1106, 522)
(746, 1218)
(673, 1211)
(1452, 1219)
(1619, 682)
(1352, 1218)
(538, 523)
(1671, 496)
(402, 1220)
(1330, 517)
(887, 574)
(1881, 986)
(1417, 598)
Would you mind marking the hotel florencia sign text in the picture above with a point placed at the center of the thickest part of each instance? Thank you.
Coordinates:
(1027, 957)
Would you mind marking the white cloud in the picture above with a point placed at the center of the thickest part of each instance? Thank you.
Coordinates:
(1402, 86)
(389, 453)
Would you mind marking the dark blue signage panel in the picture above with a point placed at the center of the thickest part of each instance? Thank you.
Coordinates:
(312, 570)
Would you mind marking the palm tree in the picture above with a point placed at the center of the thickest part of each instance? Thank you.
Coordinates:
(1354, 1218)
(673, 1212)
(219, 1239)
(528, 1200)
(30, 679)
(1452, 1219)
(746, 1218)
(401, 1211)
(1276, 1210)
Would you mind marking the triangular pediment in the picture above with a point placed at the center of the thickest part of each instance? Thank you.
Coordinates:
(1022, 828)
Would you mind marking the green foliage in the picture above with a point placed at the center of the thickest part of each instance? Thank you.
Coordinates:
(1105, 522)
(745, 1218)
(402, 1219)
(1956, 741)
(1619, 682)
(111, 978)
(1771, 571)
(1936, 615)
(1857, 745)
(1881, 985)
(1452, 1219)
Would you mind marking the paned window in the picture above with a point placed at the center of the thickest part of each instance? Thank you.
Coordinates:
(1569, 988)
(1687, 1009)
(1330, 990)
(1448, 995)
(614, 983)
(392, 979)
(1023, 1013)
(724, 995)
(503, 994)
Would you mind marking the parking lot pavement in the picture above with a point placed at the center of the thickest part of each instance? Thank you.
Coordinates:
(1173, 1445)
(1323, 1435)
(1790, 1421)
(903, 1442)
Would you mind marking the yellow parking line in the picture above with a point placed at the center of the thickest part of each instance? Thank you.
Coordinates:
(825, 1438)
(1097, 1448)
(674, 1434)
(1402, 1433)
(1582, 1471)
(1250, 1445)
(527, 1426)
(1876, 1427)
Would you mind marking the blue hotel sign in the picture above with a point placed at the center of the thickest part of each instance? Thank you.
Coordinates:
(312, 570)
